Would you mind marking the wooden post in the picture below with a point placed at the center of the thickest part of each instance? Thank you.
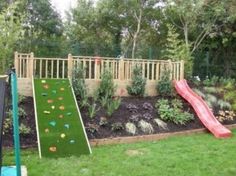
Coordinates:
(121, 69)
(30, 67)
(70, 66)
(181, 69)
(16, 63)
(170, 69)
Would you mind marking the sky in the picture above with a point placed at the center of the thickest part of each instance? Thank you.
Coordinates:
(63, 5)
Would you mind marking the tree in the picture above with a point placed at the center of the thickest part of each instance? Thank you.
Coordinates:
(10, 32)
(43, 29)
(195, 17)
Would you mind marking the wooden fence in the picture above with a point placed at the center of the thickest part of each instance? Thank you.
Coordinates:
(27, 65)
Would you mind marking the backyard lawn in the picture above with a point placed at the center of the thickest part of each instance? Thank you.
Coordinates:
(195, 155)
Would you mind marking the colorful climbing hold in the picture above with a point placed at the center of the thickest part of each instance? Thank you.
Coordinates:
(68, 113)
(60, 98)
(43, 81)
(50, 101)
(44, 94)
(46, 130)
(67, 126)
(62, 89)
(45, 86)
(62, 107)
(54, 91)
(52, 123)
(63, 135)
(72, 141)
(46, 112)
(52, 149)
(53, 107)
(60, 116)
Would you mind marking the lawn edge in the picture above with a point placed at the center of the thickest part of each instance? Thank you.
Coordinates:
(151, 137)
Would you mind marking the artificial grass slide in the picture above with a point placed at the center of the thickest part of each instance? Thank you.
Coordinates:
(59, 125)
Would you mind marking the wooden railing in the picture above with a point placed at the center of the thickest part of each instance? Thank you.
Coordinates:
(27, 66)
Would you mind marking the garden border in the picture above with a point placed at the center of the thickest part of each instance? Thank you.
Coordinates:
(152, 137)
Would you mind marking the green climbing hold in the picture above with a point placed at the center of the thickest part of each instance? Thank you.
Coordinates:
(43, 81)
(52, 123)
(44, 94)
(72, 141)
(54, 91)
(68, 113)
(46, 112)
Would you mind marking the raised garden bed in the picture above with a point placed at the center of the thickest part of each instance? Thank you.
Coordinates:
(121, 115)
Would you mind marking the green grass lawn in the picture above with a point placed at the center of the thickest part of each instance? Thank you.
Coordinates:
(196, 155)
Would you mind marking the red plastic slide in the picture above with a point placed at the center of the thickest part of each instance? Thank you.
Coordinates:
(203, 111)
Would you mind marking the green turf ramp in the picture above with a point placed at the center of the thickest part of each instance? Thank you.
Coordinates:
(60, 128)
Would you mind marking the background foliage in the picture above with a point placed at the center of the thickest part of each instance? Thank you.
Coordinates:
(200, 32)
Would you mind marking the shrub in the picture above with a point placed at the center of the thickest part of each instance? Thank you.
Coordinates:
(24, 129)
(103, 121)
(224, 105)
(177, 103)
(200, 93)
(113, 105)
(92, 110)
(137, 87)
(107, 87)
(164, 86)
(117, 126)
(172, 113)
(79, 86)
(92, 128)
(211, 89)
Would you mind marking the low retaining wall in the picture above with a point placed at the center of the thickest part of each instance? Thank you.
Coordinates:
(152, 137)
(25, 87)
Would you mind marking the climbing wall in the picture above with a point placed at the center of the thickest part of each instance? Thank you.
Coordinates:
(60, 128)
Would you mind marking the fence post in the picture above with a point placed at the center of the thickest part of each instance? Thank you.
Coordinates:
(16, 63)
(181, 69)
(30, 66)
(70, 66)
(121, 69)
(170, 69)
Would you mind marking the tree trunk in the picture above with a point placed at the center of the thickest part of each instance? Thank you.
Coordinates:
(139, 20)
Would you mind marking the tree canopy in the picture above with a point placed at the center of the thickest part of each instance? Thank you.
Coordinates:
(201, 32)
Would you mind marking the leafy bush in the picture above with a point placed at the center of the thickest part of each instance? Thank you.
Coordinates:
(164, 86)
(211, 89)
(200, 93)
(92, 128)
(92, 110)
(224, 105)
(177, 103)
(79, 86)
(212, 99)
(117, 126)
(107, 87)
(172, 113)
(132, 108)
(138, 82)
(147, 106)
(24, 129)
(113, 105)
(103, 121)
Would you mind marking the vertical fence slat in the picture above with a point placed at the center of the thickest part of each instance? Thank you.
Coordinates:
(57, 68)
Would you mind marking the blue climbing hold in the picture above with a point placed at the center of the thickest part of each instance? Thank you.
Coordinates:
(53, 123)
(67, 126)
